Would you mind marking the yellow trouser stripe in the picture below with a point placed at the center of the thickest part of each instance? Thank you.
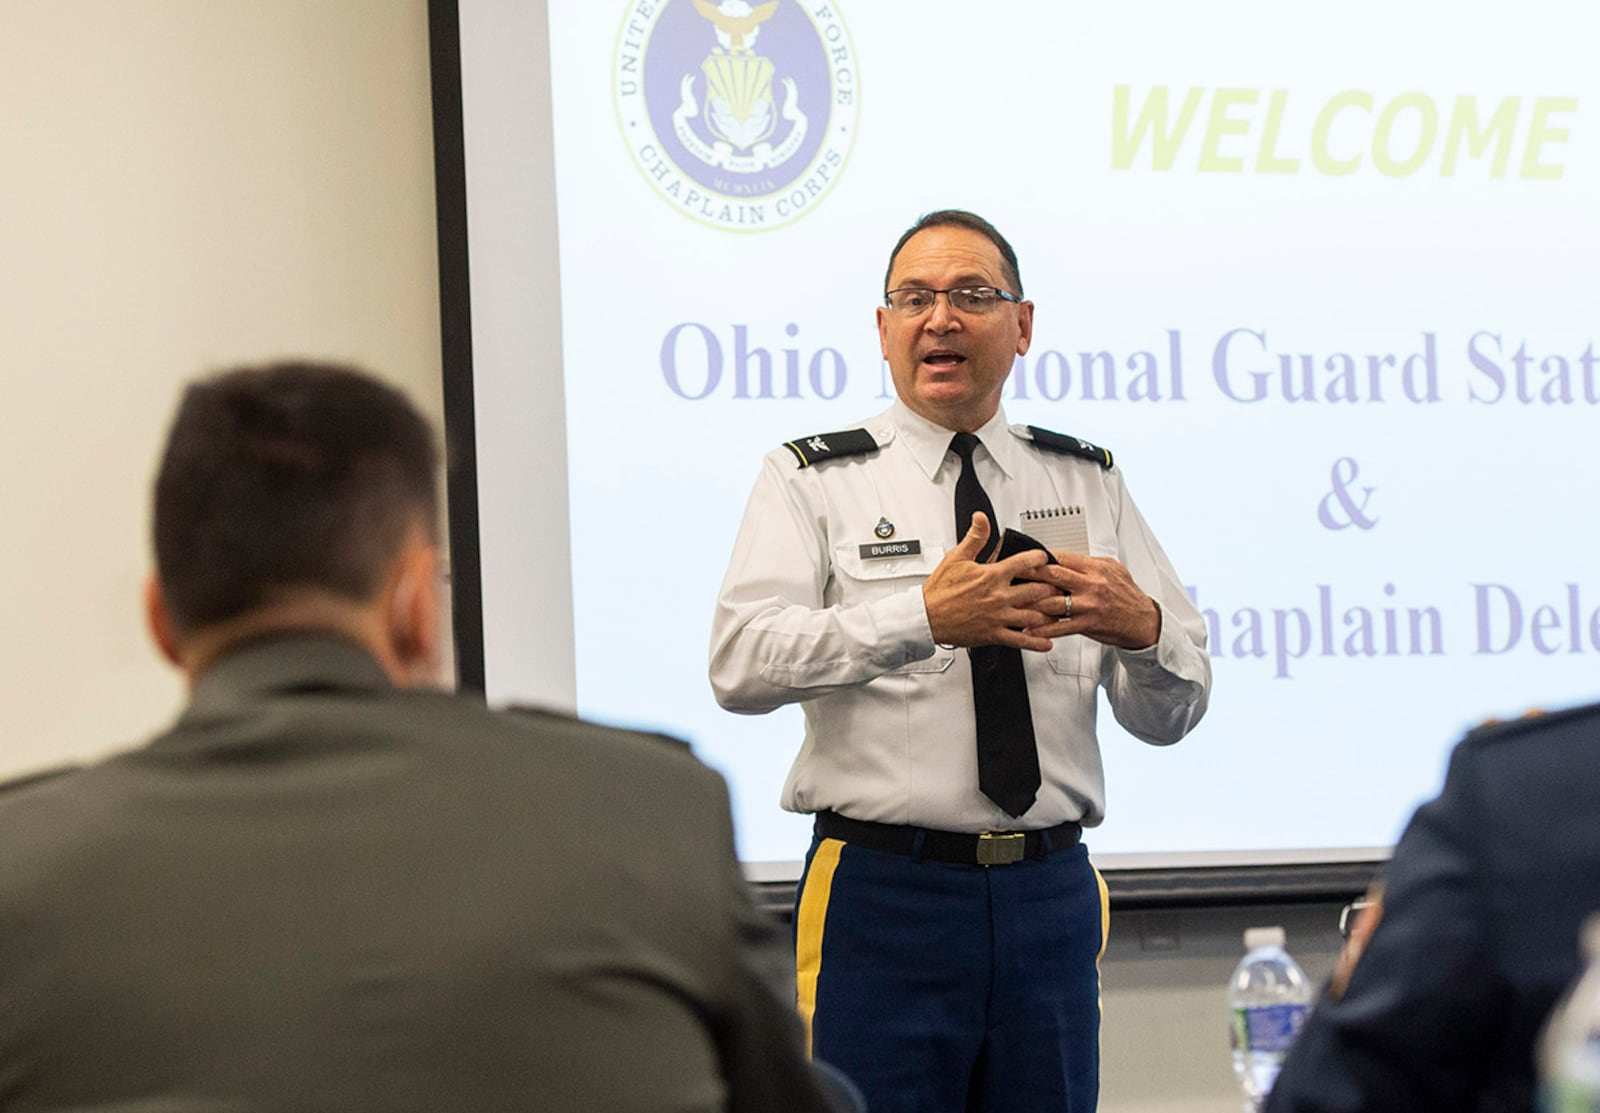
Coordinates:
(808, 928)
(1105, 914)
(1105, 936)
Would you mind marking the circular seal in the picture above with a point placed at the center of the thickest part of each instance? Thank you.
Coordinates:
(741, 115)
(884, 529)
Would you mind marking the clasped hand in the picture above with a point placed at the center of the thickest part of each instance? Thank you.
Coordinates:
(978, 604)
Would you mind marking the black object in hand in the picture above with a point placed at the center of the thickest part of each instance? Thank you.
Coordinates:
(1014, 541)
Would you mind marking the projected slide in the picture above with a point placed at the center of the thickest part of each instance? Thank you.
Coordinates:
(1326, 288)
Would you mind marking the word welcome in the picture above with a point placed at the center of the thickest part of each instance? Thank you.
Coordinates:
(1254, 131)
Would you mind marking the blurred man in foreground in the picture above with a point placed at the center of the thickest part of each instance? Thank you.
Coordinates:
(325, 889)
(1481, 909)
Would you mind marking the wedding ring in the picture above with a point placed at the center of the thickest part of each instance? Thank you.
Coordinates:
(1067, 614)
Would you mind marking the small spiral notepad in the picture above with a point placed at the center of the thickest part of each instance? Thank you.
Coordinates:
(1058, 528)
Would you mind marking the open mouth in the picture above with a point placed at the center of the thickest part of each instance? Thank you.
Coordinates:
(944, 358)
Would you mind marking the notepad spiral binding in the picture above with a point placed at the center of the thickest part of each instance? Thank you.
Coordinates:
(1058, 528)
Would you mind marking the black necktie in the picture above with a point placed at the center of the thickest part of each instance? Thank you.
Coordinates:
(1008, 758)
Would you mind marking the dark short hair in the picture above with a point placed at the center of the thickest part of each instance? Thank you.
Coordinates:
(289, 476)
(960, 218)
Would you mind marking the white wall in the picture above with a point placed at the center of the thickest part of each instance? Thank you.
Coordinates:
(186, 184)
(192, 183)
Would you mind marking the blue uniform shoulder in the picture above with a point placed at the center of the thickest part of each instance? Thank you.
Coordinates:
(1533, 723)
(815, 449)
(1064, 444)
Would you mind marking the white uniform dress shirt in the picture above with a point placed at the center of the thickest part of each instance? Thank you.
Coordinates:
(890, 734)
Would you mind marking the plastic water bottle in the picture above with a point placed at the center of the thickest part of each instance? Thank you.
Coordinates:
(1268, 998)
(1569, 1048)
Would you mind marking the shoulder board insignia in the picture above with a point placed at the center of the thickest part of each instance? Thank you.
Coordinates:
(831, 446)
(1071, 446)
(1534, 721)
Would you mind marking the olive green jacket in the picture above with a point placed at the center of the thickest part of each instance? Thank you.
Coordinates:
(320, 892)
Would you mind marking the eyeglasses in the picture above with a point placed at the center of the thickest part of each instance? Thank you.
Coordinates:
(975, 301)
(1350, 913)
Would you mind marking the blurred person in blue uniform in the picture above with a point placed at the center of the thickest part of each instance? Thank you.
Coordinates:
(1478, 936)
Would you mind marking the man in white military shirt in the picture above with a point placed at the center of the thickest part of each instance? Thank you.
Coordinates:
(949, 923)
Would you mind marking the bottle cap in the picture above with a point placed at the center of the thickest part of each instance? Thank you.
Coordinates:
(1263, 937)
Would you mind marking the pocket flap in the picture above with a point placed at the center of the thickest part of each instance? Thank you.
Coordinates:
(848, 560)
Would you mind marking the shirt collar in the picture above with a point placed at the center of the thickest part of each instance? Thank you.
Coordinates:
(930, 442)
(302, 661)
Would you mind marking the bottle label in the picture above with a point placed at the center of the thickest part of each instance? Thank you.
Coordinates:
(1269, 1028)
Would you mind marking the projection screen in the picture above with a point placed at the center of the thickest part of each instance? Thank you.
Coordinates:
(1324, 286)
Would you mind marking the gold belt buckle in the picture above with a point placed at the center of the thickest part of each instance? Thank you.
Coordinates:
(1001, 848)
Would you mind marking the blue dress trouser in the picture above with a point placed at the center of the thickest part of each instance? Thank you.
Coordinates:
(942, 988)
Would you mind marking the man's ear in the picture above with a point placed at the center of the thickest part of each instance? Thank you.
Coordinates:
(414, 611)
(159, 621)
(1024, 327)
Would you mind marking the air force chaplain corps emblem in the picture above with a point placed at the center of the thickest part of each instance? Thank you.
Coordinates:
(740, 115)
(738, 95)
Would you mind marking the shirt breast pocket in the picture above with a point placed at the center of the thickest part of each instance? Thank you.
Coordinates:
(1075, 655)
(864, 580)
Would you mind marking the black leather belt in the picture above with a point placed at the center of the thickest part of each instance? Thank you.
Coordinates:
(992, 848)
